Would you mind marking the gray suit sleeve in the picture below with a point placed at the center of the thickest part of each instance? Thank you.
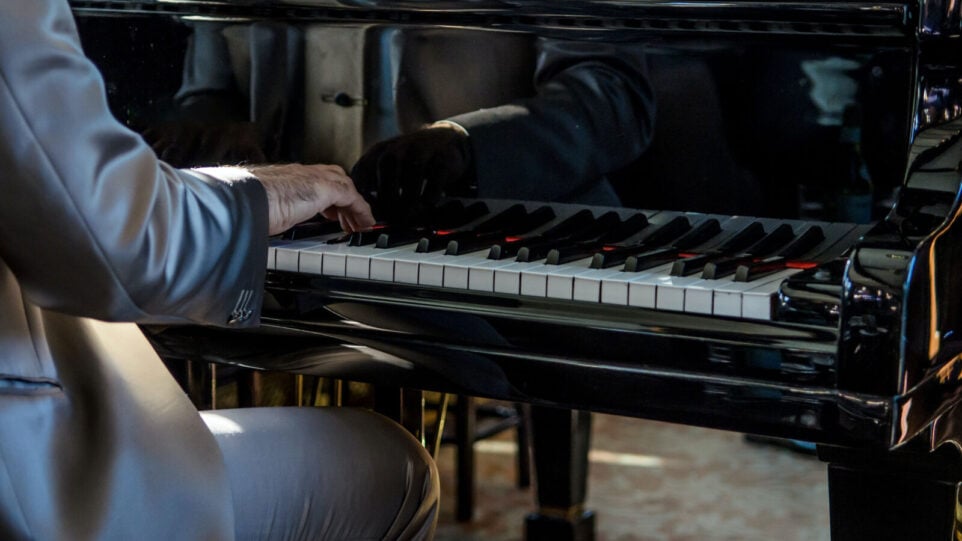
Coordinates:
(91, 222)
(593, 114)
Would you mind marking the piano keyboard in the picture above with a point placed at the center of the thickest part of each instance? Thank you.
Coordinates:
(661, 260)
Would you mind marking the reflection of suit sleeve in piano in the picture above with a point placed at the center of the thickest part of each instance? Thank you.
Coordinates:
(593, 114)
(252, 73)
(210, 89)
(91, 223)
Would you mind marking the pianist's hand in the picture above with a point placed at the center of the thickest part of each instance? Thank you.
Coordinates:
(404, 175)
(296, 193)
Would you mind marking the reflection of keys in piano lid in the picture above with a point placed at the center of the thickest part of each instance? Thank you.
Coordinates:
(660, 260)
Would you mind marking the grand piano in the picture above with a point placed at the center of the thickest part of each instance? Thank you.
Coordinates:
(725, 286)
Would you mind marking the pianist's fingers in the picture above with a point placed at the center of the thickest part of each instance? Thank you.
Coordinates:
(297, 192)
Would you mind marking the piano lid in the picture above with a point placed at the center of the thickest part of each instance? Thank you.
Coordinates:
(844, 17)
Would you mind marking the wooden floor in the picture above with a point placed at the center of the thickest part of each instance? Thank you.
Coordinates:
(654, 481)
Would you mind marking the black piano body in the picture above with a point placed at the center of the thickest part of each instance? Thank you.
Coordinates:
(858, 352)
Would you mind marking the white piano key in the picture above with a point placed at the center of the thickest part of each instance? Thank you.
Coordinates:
(310, 259)
(758, 302)
(405, 272)
(643, 286)
(431, 269)
(309, 262)
(272, 247)
(351, 261)
(727, 303)
(358, 263)
(357, 266)
(561, 278)
(729, 298)
(449, 271)
(334, 264)
(671, 291)
(384, 266)
(507, 279)
(404, 266)
(288, 255)
(457, 270)
(455, 276)
(534, 284)
(481, 276)
(431, 274)
(284, 254)
(587, 285)
(699, 295)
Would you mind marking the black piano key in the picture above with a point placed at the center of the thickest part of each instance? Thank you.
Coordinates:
(674, 228)
(312, 228)
(535, 251)
(651, 259)
(506, 249)
(804, 243)
(616, 254)
(512, 244)
(779, 238)
(724, 266)
(588, 248)
(650, 252)
(748, 236)
(595, 230)
(628, 228)
(702, 233)
(476, 243)
(578, 221)
(399, 237)
(368, 236)
(449, 214)
(757, 269)
(720, 267)
(741, 240)
(340, 240)
(690, 265)
(440, 238)
(435, 241)
(572, 252)
(484, 241)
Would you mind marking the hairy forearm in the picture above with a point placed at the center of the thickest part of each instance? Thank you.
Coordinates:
(296, 193)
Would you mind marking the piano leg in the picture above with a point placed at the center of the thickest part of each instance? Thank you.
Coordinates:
(561, 439)
(405, 406)
(893, 495)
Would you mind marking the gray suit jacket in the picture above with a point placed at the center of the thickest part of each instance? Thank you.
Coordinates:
(96, 439)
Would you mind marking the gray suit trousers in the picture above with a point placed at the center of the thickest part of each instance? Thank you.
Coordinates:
(339, 474)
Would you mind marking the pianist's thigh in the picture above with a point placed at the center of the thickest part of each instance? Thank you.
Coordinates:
(325, 473)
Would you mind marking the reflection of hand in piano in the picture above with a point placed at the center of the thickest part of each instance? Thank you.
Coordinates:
(408, 174)
(666, 260)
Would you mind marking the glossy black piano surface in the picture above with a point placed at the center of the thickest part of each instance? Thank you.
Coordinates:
(651, 111)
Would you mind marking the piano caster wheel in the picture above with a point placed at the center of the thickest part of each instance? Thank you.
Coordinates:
(550, 527)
